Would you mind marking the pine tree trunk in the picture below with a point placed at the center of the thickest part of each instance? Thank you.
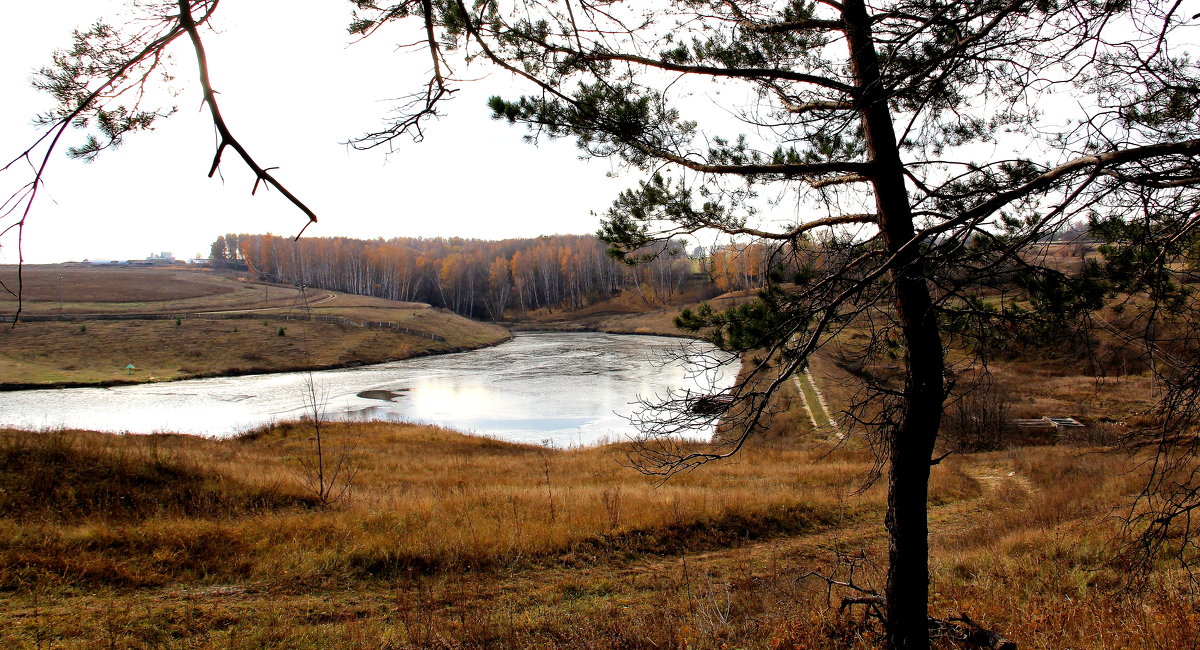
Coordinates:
(912, 439)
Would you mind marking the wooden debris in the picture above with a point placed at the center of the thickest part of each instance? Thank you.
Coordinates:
(968, 632)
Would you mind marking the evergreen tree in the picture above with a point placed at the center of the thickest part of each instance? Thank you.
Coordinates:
(925, 143)
(880, 120)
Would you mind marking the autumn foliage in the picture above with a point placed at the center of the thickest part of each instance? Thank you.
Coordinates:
(485, 279)
(472, 277)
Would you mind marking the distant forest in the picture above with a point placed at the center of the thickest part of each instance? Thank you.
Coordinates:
(484, 279)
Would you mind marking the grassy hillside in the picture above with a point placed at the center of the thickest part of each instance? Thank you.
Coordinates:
(452, 541)
(85, 349)
(56, 288)
(628, 313)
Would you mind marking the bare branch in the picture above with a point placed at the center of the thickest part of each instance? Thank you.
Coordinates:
(227, 137)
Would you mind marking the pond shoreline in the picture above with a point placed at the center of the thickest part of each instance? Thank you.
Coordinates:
(582, 325)
(534, 327)
(242, 372)
(574, 388)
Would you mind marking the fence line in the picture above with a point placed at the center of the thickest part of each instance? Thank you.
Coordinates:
(338, 320)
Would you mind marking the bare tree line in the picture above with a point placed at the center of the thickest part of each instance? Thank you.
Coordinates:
(475, 278)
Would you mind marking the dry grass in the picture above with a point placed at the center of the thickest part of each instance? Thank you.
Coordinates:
(93, 351)
(98, 351)
(455, 541)
(1040, 563)
(426, 500)
(69, 285)
(161, 350)
(74, 477)
(628, 313)
(432, 511)
(55, 289)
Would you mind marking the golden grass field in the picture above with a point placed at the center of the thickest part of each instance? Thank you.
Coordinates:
(446, 540)
(455, 541)
(98, 351)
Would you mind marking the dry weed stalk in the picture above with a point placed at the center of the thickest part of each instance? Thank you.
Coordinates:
(329, 479)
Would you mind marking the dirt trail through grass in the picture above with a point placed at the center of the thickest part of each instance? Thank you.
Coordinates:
(814, 549)
(329, 297)
(994, 518)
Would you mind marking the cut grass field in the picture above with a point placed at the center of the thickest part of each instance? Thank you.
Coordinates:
(93, 351)
(454, 541)
(55, 288)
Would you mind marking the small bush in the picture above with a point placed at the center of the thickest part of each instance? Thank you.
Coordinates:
(978, 421)
(1100, 433)
(282, 331)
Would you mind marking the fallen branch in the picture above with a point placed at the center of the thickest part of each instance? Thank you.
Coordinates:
(961, 629)
(966, 631)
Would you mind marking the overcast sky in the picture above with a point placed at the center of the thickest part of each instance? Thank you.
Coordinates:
(293, 90)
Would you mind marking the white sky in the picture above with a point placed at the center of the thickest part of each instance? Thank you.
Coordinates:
(292, 90)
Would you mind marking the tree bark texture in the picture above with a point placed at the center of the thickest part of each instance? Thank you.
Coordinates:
(912, 439)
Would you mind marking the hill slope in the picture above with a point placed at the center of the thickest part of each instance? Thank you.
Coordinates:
(86, 326)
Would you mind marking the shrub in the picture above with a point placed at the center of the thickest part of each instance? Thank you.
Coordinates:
(978, 421)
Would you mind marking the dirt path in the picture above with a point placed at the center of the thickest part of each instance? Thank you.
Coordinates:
(767, 576)
(319, 301)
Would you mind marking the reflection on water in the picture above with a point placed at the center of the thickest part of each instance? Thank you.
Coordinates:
(561, 388)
